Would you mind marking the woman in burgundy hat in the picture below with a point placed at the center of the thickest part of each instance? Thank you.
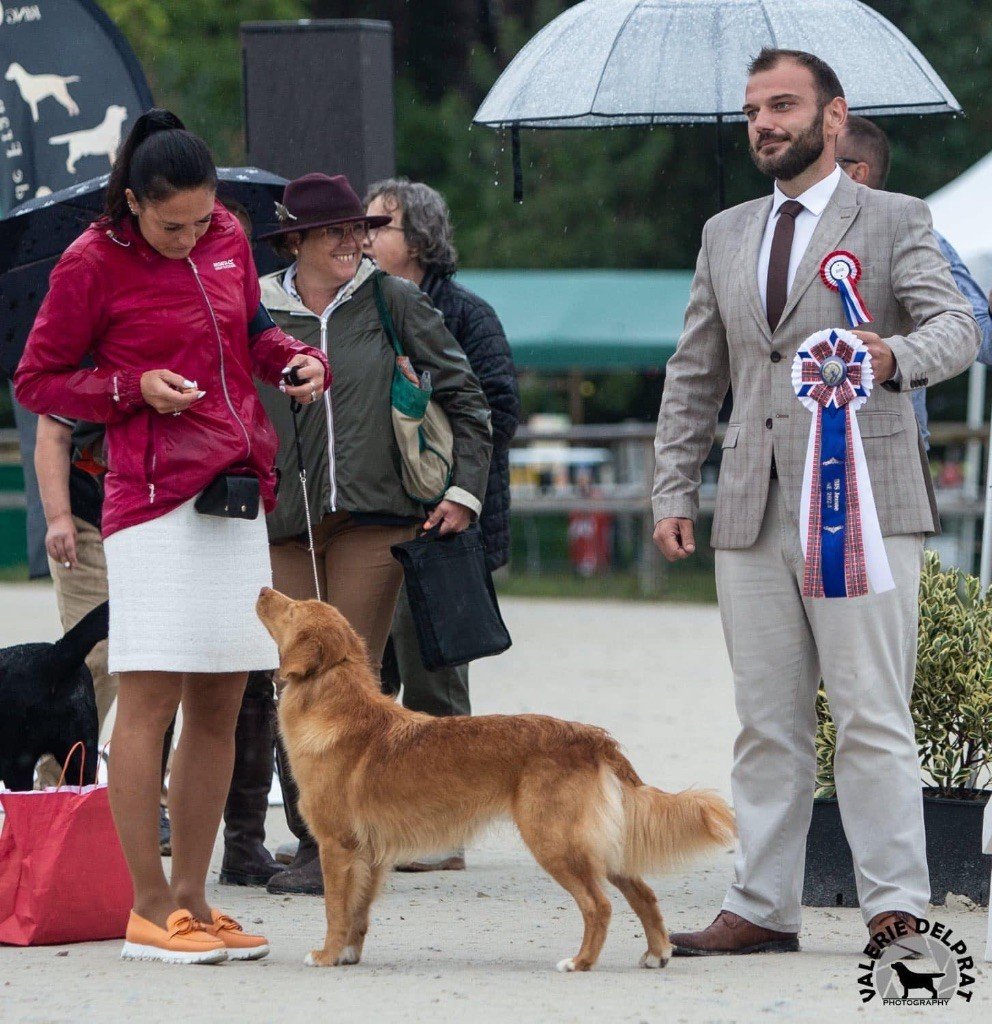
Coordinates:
(357, 504)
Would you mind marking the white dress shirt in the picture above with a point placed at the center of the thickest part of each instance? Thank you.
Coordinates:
(814, 201)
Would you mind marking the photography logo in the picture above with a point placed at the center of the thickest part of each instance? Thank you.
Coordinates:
(935, 979)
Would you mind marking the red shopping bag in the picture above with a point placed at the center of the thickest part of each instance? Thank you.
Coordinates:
(63, 877)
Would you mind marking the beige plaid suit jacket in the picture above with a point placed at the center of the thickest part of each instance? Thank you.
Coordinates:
(726, 342)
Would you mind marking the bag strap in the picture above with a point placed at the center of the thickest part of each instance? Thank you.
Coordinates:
(301, 468)
(385, 317)
(68, 758)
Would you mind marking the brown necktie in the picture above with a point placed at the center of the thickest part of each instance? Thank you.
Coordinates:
(778, 263)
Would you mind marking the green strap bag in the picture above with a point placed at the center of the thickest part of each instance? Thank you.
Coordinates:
(422, 428)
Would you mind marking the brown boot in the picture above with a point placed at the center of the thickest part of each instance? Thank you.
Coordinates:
(453, 861)
(731, 935)
(895, 928)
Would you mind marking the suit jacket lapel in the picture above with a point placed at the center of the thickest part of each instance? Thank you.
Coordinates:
(837, 217)
(753, 235)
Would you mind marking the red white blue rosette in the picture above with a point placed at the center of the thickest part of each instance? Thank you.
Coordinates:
(838, 521)
(841, 271)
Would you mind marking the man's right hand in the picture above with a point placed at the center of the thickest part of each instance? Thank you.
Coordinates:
(60, 540)
(166, 391)
(674, 538)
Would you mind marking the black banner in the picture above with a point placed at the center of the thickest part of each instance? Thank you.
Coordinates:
(70, 89)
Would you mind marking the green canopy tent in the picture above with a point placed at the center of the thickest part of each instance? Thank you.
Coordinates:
(594, 320)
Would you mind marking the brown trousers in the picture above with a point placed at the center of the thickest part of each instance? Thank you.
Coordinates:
(356, 572)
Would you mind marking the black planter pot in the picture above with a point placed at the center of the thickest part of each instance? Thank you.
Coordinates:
(954, 853)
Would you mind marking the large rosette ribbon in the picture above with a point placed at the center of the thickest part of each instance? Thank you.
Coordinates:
(842, 541)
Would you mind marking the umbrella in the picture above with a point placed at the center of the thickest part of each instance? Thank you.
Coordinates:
(607, 63)
(35, 234)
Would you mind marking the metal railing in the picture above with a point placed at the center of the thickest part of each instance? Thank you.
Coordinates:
(629, 494)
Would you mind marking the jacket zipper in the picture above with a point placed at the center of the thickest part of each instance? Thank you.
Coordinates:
(220, 348)
(330, 422)
(151, 458)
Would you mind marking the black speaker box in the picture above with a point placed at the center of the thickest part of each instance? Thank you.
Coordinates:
(318, 96)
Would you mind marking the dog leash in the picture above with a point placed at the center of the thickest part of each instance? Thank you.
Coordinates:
(295, 408)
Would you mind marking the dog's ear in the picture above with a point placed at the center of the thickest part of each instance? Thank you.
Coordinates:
(303, 658)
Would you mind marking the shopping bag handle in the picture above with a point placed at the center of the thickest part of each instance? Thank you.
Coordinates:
(68, 758)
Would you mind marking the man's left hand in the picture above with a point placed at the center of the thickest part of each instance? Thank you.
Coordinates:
(453, 517)
(883, 362)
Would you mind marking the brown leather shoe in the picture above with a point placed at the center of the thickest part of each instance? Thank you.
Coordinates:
(898, 928)
(732, 935)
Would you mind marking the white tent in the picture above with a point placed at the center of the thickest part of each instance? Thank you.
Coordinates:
(963, 214)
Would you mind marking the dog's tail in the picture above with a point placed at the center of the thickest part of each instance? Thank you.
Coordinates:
(60, 140)
(93, 627)
(69, 79)
(663, 830)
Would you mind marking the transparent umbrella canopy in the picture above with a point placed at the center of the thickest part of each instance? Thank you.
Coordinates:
(607, 63)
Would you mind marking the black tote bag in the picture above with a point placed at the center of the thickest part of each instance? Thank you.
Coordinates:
(452, 598)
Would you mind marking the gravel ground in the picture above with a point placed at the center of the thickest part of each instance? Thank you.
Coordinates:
(482, 944)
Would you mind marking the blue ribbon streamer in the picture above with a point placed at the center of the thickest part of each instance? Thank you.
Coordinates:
(833, 499)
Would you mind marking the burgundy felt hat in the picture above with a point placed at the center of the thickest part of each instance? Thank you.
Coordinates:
(317, 201)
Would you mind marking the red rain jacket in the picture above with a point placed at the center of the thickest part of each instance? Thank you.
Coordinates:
(115, 299)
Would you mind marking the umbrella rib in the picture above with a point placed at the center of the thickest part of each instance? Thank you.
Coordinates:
(768, 23)
(613, 46)
(894, 33)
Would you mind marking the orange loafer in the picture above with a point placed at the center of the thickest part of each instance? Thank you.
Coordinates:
(183, 940)
(239, 944)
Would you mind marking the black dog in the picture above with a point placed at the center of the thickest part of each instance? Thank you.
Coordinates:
(47, 703)
(911, 979)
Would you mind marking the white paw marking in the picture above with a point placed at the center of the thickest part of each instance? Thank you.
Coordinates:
(349, 955)
(309, 960)
(652, 960)
(565, 966)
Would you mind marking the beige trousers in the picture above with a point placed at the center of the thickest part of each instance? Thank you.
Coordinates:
(78, 591)
(864, 648)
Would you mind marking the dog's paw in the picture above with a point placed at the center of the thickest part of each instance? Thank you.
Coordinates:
(318, 958)
(572, 964)
(651, 960)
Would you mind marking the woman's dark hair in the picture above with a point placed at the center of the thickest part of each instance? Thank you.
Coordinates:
(159, 157)
(286, 245)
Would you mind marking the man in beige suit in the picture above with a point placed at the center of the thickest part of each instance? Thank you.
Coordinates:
(755, 298)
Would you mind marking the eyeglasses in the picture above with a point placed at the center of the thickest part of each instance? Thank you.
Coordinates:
(336, 234)
(374, 232)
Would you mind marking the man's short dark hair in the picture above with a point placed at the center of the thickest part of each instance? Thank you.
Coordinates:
(828, 85)
(867, 142)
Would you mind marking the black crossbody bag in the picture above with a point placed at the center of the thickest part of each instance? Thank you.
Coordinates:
(230, 496)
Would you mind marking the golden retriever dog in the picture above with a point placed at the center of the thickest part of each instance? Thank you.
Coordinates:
(378, 783)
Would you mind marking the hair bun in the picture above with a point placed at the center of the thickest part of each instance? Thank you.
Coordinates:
(155, 120)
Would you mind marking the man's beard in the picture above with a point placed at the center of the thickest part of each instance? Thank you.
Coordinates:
(802, 152)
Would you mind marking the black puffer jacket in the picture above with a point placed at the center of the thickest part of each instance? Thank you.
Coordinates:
(475, 326)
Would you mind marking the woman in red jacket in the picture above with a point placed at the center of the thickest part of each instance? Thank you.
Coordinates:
(162, 296)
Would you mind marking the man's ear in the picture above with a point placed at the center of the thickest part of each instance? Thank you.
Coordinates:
(860, 172)
(304, 658)
(835, 117)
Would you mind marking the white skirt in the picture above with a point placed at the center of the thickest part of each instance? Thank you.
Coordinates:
(182, 594)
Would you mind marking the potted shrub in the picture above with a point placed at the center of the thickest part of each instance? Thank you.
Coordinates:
(952, 711)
